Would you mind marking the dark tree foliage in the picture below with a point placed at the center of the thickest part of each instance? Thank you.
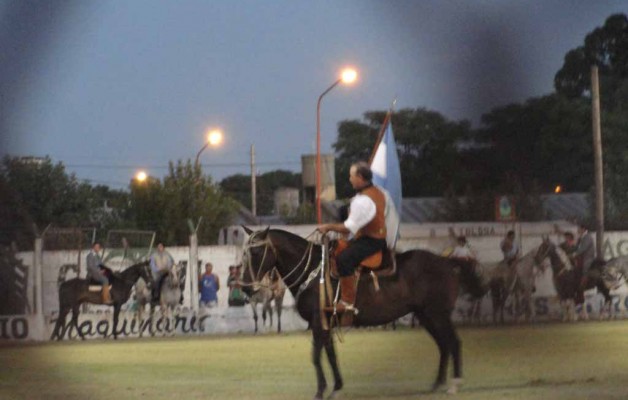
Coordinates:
(36, 193)
(184, 196)
(427, 145)
(606, 47)
(545, 142)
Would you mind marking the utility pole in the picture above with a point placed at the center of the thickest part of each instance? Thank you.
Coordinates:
(597, 154)
(253, 186)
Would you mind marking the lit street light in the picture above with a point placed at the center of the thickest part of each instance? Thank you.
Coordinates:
(214, 138)
(348, 76)
(141, 176)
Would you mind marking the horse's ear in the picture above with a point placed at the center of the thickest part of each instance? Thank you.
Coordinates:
(247, 230)
(266, 231)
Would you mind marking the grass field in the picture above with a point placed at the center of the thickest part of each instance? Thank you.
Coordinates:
(548, 361)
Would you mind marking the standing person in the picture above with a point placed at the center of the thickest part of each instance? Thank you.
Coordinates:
(366, 222)
(510, 248)
(209, 287)
(161, 262)
(462, 250)
(236, 295)
(94, 272)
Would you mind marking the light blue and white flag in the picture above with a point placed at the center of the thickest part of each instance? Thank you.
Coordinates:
(387, 175)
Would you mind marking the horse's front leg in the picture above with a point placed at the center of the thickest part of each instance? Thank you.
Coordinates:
(330, 349)
(116, 315)
(317, 348)
(254, 307)
(75, 314)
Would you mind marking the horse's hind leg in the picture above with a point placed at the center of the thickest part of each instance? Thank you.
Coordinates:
(435, 331)
(59, 330)
(254, 307)
(74, 322)
(269, 310)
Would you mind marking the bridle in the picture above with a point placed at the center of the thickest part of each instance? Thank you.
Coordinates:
(270, 247)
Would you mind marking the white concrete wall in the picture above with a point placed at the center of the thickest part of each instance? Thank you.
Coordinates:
(483, 238)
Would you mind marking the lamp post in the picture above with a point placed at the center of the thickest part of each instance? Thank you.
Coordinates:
(214, 138)
(348, 75)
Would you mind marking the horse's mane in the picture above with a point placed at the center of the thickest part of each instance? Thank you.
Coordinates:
(118, 274)
(564, 258)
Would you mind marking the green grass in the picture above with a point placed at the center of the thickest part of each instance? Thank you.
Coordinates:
(549, 361)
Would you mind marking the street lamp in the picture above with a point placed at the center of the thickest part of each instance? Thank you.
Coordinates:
(141, 176)
(214, 138)
(348, 75)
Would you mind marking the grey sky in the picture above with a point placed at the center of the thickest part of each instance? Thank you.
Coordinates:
(109, 87)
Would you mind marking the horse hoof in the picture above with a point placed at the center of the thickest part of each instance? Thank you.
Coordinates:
(437, 386)
(455, 385)
(334, 395)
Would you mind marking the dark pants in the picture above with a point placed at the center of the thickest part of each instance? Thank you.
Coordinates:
(357, 251)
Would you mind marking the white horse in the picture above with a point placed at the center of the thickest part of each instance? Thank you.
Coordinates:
(169, 297)
(521, 286)
(270, 288)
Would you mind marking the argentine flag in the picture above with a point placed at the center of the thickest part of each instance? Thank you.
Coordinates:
(387, 175)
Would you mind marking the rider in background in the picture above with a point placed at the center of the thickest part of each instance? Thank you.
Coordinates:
(462, 250)
(569, 245)
(510, 248)
(161, 262)
(366, 222)
(95, 273)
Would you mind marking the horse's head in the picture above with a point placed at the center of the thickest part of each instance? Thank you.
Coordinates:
(145, 273)
(546, 248)
(173, 277)
(259, 256)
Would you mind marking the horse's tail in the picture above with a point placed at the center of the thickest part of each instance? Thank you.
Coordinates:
(470, 279)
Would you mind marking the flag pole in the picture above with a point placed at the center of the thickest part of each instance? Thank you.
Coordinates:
(382, 130)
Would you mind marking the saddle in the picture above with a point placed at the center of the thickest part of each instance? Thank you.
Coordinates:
(380, 264)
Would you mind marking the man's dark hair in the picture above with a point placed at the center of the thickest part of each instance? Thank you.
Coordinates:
(96, 243)
(462, 239)
(569, 235)
(510, 233)
(364, 170)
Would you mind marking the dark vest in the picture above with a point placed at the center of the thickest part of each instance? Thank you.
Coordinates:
(377, 227)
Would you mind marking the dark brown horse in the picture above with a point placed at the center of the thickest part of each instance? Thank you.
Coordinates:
(566, 279)
(425, 284)
(76, 291)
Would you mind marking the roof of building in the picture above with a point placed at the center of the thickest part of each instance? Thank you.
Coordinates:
(563, 206)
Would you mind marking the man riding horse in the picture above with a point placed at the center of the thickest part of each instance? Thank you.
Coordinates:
(96, 273)
(161, 262)
(366, 222)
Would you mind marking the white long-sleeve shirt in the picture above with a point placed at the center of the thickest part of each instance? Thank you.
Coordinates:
(361, 212)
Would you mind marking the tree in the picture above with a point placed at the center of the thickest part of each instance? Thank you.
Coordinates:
(544, 140)
(188, 195)
(606, 47)
(427, 143)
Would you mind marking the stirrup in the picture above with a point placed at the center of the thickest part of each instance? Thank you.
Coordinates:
(344, 307)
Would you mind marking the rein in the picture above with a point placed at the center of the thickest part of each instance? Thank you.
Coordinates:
(267, 243)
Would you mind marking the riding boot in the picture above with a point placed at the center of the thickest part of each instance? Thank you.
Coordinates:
(106, 294)
(347, 294)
